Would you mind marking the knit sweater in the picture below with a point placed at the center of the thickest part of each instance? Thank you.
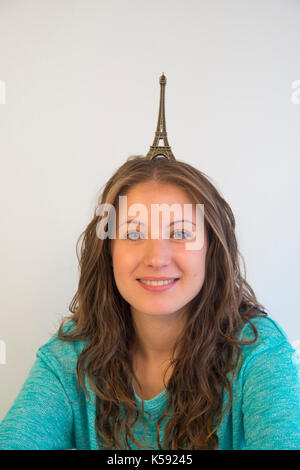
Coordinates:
(51, 412)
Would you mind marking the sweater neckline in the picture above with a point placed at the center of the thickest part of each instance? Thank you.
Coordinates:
(154, 403)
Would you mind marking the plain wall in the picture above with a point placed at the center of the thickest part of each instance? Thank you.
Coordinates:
(82, 94)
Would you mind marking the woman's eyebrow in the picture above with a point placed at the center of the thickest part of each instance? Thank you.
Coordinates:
(141, 223)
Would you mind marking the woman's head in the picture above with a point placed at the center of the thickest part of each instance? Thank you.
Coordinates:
(211, 291)
(161, 181)
(137, 255)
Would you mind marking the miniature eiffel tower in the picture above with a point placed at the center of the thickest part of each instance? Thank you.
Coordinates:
(161, 132)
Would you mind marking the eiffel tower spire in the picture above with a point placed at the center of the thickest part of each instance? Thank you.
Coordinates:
(161, 132)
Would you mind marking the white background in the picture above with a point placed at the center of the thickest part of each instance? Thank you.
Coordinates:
(82, 92)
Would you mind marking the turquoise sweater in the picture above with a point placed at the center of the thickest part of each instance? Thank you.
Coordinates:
(50, 413)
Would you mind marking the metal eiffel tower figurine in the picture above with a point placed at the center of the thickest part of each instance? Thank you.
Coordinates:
(161, 132)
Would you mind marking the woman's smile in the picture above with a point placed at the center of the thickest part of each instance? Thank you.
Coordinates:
(157, 286)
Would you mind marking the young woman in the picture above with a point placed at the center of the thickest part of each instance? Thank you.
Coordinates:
(195, 364)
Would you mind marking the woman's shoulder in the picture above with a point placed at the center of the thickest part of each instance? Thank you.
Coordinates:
(270, 337)
(267, 327)
(58, 352)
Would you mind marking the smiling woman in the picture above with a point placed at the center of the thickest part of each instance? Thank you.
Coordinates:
(158, 278)
(168, 258)
(171, 344)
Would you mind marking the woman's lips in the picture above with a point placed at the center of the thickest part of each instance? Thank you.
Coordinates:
(161, 288)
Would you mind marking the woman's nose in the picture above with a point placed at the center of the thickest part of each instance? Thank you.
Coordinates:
(157, 252)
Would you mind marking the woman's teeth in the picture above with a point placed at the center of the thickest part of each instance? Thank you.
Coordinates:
(157, 283)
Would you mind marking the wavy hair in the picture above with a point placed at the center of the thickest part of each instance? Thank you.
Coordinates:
(209, 340)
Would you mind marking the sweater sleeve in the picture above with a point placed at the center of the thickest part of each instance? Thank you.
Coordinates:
(41, 416)
(271, 399)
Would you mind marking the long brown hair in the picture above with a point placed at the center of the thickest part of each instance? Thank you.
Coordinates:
(223, 306)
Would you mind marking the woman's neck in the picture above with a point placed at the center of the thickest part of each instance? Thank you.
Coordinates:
(156, 335)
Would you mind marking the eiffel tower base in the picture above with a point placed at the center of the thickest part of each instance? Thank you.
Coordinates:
(160, 151)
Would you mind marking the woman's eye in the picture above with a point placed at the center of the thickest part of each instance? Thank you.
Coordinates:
(133, 235)
(180, 232)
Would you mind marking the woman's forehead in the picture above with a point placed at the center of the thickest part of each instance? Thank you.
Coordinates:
(153, 192)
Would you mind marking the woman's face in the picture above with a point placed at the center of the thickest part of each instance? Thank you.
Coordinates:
(137, 258)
